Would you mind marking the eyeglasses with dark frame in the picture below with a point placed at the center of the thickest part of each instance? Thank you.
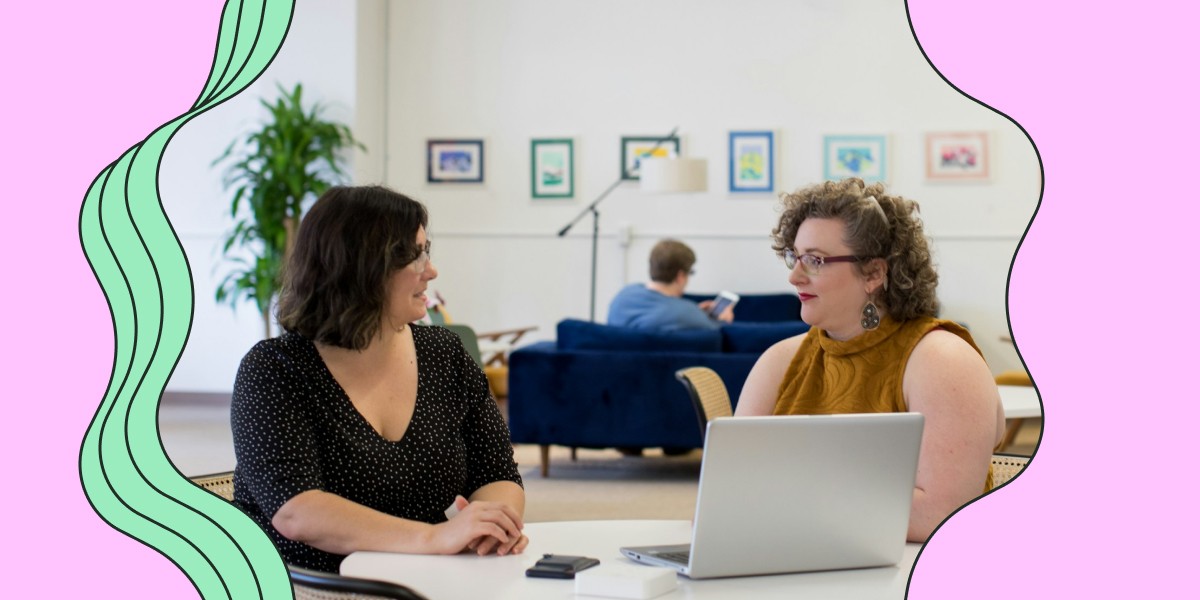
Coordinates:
(812, 263)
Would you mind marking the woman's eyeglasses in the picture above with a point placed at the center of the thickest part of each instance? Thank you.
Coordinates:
(811, 263)
(422, 260)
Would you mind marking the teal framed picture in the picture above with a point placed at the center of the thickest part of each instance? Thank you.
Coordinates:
(751, 161)
(552, 168)
(862, 156)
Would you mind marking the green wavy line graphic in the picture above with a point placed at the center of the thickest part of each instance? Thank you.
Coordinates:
(142, 269)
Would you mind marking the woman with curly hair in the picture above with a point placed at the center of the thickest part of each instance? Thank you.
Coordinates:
(861, 265)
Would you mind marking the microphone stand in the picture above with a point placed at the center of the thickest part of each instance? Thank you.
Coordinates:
(591, 208)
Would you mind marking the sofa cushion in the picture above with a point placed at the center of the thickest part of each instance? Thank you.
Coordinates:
(574, 334)
(757, 337)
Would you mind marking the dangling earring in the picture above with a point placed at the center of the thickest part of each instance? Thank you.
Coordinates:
(870, 315)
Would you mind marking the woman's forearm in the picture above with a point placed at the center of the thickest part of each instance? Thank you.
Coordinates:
(505, 492)
(928, 511)
(919, 518)
(334, 524)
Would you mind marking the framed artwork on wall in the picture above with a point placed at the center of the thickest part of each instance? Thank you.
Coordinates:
(862, 156)
(634, 148)
(552, 168)
(957, 156)
(751, 161)
(455, 161)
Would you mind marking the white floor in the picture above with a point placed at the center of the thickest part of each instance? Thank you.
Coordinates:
(196, 436)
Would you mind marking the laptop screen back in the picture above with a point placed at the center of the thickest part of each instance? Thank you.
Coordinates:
(800, 493)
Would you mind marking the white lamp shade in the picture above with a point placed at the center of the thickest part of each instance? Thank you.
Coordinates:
(664, 175)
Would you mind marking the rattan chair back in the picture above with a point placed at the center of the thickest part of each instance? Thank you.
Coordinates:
(1005, 467)
(708, 393)
(220, 484)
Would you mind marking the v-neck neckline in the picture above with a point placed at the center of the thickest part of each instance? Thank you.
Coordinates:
(348, 404)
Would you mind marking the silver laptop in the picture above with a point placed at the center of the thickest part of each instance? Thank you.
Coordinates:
(787, 494)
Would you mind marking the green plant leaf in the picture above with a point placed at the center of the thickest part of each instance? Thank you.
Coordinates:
(274, 172)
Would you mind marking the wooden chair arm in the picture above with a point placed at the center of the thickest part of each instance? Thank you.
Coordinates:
(499, 358)
(516, 333)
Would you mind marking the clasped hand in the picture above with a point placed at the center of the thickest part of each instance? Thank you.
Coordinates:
(482, 526)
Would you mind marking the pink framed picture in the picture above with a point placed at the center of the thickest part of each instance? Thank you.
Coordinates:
(957, 156)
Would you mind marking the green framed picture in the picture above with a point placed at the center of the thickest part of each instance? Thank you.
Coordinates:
(635, 148)
(552, 171)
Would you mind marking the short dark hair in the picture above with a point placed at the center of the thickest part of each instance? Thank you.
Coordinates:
(668, 258)
(878, 225)
(348, 245)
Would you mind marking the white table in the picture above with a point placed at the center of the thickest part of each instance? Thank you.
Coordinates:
(1020, 401)
(493, 577)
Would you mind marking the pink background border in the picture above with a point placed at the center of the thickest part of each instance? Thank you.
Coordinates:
(84, 82)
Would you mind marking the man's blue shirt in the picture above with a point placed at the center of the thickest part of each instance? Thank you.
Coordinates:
(642, 308)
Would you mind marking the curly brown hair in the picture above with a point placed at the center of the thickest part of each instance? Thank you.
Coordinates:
(349, 243)
(877, 226)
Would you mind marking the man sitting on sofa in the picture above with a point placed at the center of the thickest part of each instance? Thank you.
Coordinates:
(659, 304)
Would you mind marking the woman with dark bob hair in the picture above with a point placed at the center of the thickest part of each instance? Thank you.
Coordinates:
(356, 429)
(861, 265)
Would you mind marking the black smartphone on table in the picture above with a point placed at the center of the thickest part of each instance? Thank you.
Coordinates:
(560, 566)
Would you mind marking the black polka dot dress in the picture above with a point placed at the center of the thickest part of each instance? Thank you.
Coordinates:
(294, 429)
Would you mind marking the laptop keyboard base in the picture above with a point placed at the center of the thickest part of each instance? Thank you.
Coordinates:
(675, 557)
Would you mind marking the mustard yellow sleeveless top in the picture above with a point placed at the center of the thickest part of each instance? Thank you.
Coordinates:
(860, 375)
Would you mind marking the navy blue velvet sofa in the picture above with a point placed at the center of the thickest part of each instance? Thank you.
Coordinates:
(598, 386)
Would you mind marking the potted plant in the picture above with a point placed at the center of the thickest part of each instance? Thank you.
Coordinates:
(276, 171)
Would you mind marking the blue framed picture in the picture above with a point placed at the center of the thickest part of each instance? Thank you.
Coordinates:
(751, 161)
(455, 161)
(862, 156)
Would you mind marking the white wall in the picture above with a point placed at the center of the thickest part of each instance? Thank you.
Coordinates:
(509, 71)
(319, 52)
